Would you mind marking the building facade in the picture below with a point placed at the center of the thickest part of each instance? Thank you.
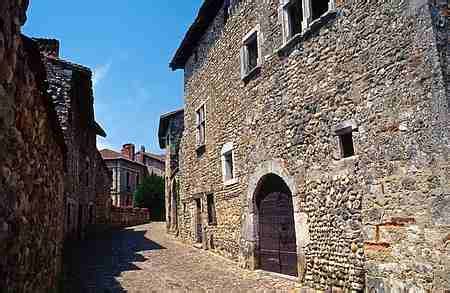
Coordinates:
(170, 132)
(155, 163)
(127, 173)
(70, 86)
(32, 155)
(316, 140)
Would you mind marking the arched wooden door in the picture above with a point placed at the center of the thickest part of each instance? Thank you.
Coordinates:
(277, 243)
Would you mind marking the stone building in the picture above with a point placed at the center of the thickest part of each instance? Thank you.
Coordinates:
(316, 140)
(171, 126)
(32, 154)
(70, 86)
(155, 163)
(127, 173)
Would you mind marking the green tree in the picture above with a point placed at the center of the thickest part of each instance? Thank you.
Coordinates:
(150, 194)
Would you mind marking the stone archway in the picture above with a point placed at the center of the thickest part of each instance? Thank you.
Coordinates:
(250, 241)
(276, 244)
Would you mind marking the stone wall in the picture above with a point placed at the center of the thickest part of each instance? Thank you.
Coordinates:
(127, 217)
(103, 201)
(31, 163)
(374, 66)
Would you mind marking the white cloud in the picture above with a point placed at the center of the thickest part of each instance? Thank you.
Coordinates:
(100, 72)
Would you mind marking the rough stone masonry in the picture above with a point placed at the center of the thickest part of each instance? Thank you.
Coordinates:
(373, 71)
(32, 154)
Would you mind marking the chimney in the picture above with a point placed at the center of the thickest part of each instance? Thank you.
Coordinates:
(141, 155)
(48, 47)
(128, 151)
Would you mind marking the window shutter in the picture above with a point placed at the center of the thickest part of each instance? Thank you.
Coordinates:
(243, 58)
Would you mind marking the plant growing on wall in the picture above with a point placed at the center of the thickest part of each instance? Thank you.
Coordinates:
(150, 194)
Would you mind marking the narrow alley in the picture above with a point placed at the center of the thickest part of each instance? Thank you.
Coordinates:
(145, 259)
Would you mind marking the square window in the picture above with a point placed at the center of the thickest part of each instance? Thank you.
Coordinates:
(319, 8)
(346, 143)
(294, 13)
(250, 54)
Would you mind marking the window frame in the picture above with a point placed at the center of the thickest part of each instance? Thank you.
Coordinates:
(226, 150)
(345, 128)
(307, 21)
(253, 35)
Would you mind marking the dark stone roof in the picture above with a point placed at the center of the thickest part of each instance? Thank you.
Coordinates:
(164, 124)
(206, 15)
(37, 66)
(60, 74)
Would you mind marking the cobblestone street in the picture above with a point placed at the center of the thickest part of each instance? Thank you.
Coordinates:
(144, 259)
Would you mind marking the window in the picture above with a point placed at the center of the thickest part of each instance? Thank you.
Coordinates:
(293, 16)
(250, 53)
(137, 179)
(211, 210)
(201, 126)
(297, 15)
(346, 143)
(319, 8)
(128, 181)
(344, 132)
(228, 167)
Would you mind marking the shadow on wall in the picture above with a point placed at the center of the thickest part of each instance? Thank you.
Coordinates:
(93, 265)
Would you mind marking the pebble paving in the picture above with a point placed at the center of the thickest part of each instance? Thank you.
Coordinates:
(145, 259)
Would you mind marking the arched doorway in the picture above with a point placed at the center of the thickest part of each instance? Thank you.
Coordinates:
(277, 246)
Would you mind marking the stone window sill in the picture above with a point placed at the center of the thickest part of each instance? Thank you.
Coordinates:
(252, 73)
(314, 26)
(231, 182)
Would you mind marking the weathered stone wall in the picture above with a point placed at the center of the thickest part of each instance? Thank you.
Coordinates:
(382, 214)
(31, 163)
(103, 201)
(70, 86)
(126, 217)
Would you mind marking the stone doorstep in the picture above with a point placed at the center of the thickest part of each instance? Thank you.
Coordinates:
(198, 245)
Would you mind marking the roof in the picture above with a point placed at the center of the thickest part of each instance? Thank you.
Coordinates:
(205, 17)
(161, 158)
(164, 124)
(99, 130)
(113, 155)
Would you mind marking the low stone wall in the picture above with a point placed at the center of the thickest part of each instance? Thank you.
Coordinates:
(126, 217)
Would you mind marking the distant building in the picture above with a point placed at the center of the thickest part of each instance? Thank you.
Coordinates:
(154, 163)
(128, 170)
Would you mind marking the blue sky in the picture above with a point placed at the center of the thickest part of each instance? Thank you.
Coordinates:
(128, 45)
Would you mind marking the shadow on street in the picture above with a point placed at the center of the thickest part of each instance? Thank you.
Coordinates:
(92, 265)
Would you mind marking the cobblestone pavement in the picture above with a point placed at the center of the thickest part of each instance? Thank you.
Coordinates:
(145, 259)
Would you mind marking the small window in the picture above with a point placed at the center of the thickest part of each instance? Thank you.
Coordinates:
(319, 8)
(228, 159)
(293, 18)
(211, 210)
(201, 126)
(228, 166)
(250, 55)
(347, 147)
(137, 179)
